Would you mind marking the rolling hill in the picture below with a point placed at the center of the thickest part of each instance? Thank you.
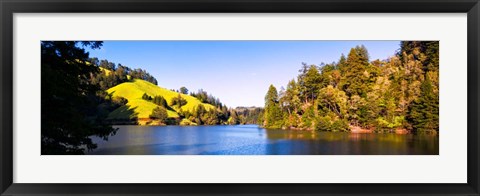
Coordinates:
(140, 108)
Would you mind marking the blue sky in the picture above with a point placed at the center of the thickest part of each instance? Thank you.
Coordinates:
(237, 72)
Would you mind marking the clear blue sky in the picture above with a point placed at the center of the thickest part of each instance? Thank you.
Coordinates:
(237, 72)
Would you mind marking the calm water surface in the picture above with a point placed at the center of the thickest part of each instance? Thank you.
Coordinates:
(252, 140)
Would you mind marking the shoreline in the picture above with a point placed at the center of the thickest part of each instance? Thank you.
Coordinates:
(353, 129)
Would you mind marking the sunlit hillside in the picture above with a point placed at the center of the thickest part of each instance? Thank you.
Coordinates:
(133, 91)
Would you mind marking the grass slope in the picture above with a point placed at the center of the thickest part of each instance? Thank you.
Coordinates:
(133, 91)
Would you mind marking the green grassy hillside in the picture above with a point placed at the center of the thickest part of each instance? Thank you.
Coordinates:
(137, 107)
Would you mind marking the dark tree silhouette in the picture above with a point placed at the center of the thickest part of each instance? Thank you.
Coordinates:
(69, 101)
(184, 90)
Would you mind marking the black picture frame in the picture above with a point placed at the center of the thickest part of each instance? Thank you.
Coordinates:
(10, 7)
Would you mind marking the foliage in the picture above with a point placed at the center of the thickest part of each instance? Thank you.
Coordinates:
(247, 115)
(331, 123)
(146, 97)
(184, 90)
(111, 74)
(401, 92)
(178, 101)
(311, 81)
(424, 111)
(133, 91)
(204, 97)
(160, 101)
(72, 110)
(159, 113)
(273, 117)
(356, 78)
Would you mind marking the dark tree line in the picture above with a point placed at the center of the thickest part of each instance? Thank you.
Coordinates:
(112, 74)
(204, 97)
(201, 116)
(71, 110)
(249, 115)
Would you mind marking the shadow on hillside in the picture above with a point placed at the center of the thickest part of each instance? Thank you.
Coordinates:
(124, 115)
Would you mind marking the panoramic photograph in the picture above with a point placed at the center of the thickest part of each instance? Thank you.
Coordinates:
(233, 97)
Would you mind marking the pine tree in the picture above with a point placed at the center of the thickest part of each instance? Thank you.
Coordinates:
(312, 82)
(309, 83)
(356, 77)
(342, 64)
(401, 92)
(273, 117)
(432, 53)
(424, 112)
(291, 101)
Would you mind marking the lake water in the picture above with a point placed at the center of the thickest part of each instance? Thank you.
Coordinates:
(253, 140)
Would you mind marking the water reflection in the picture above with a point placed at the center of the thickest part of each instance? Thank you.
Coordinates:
(252, 140)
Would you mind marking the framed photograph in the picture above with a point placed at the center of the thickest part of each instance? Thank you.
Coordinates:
(239, 97)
